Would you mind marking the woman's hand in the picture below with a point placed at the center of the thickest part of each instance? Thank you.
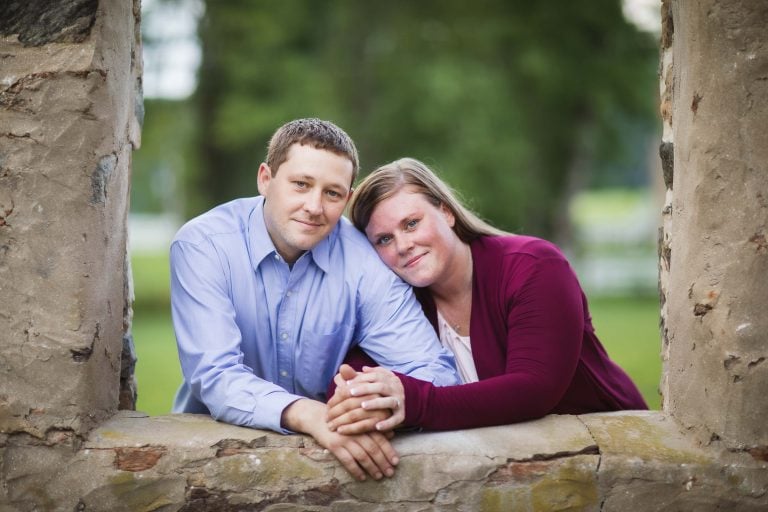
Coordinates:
(343, 402)
(367, 400)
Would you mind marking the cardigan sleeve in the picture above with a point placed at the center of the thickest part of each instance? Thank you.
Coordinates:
(545, 324)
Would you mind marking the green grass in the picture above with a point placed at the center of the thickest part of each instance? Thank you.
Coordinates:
(157, 371)
(151, 280)
(627, 327)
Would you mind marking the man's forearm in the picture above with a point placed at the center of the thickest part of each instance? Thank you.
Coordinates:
(304, 415)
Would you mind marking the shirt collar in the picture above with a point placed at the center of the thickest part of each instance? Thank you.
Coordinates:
(261, 244)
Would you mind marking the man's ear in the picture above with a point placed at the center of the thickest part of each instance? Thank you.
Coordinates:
(263, 178)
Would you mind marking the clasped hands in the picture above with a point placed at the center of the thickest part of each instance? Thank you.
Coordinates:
(371, 400)
(360, 416)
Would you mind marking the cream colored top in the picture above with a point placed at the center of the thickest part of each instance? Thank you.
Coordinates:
(461, 348)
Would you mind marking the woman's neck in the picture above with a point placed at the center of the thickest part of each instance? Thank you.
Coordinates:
(457, 286)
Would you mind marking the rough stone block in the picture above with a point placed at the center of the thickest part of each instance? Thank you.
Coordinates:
(637, 461)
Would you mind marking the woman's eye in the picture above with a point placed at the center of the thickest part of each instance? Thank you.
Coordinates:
(384, 240)
(411, 224)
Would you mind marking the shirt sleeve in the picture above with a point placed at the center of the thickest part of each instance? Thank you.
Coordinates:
(209, 341)
(545, 322)
(395, 333)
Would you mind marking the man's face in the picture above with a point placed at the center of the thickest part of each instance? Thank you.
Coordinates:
(305, 198)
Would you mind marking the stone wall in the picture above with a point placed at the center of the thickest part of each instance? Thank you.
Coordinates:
(70, 104)
(609, 462)
(714, 254)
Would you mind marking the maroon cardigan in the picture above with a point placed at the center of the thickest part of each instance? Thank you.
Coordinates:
(533, 344)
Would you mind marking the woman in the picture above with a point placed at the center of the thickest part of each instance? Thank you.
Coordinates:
(508, 306)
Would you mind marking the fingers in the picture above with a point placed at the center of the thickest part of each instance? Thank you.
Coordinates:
(341, 394)
(346, 372)
(351, 411)
(362, 455)
(373, 388)
(340, 407)
(380, 457)
(384, 402)
(359, 421)
(382, 439)
(392, 422)
(363, 377)
(349, 462)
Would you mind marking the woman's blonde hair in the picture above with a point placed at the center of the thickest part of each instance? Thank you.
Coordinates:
(388, 179)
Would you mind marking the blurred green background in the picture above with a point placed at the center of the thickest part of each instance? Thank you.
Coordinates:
(541, 114)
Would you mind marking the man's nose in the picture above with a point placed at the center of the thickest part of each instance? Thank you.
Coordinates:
(314, 203)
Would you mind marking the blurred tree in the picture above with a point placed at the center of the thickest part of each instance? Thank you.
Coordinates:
(513, 102)
(158, 166)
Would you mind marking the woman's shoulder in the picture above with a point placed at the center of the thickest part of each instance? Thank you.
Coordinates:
(515, 246)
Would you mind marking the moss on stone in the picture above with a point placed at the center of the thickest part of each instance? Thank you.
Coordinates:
(263, 469)
(502, 499)
(639, 436)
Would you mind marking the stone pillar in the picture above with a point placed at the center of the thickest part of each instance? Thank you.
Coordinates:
(70, 108)
(714, 252)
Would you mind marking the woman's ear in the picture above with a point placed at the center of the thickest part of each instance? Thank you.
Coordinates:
(449, 216)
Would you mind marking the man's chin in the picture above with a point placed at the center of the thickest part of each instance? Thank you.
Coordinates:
(307, 243)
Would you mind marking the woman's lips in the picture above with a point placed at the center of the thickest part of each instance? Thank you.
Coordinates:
(411, 262)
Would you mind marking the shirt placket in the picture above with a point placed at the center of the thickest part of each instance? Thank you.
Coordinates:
(287, 331)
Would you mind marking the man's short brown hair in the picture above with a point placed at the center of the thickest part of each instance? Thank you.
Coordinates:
(315, 132)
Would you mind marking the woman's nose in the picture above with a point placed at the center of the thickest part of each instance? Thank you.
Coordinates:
(403, 243)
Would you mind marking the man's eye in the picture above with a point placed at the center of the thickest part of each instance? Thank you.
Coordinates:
(411, 223)
(334, 194)
(300, 184)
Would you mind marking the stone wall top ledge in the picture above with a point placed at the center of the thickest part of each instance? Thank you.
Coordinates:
(645, 435)
(635, 460)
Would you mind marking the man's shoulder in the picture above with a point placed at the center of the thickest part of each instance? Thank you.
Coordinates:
(350, 240)
(355, 255)
(226, 219)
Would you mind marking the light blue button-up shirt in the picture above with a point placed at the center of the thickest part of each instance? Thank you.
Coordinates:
(255, 335)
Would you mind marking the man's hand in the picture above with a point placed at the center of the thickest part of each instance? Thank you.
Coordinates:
(360, 419)
(362, 454)
(372, 399)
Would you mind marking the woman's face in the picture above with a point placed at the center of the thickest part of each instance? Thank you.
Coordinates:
(413, 237)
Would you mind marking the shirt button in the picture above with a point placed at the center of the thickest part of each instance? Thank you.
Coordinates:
(289, 293)
(283, 373)
(277, 257)
(284, 336)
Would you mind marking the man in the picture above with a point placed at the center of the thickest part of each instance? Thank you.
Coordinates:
(269, 293)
